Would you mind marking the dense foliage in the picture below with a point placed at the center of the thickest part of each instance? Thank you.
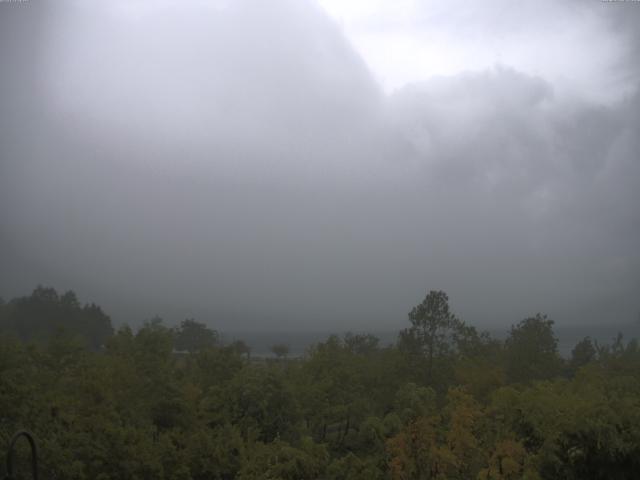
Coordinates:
(445, 402)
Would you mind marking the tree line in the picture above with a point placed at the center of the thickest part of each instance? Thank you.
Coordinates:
(444, 402)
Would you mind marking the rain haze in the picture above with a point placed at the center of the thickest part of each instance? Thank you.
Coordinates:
(312, 166)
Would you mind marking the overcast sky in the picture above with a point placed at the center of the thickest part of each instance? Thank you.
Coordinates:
(322, 165)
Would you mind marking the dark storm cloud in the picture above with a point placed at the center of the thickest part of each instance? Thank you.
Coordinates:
(240, 164)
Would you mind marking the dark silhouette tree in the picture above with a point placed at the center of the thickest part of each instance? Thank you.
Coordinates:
(532, 350)
(240, 348)
(193, 336)
(432, 330)
(582, 354)
(280, 350)
(44, 313)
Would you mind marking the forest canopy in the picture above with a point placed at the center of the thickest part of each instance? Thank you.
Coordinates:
(445, 401)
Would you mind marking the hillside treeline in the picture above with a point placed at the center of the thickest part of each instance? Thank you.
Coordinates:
(444, 402)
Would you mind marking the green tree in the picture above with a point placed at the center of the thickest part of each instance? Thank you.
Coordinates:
(582, 354)
(532, 350)
(432, 330)
(361, 344)
(260, 402)
(413, 401)
(282, 461)
(193, 336)
(44, 313)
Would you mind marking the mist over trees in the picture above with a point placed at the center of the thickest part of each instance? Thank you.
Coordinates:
(45, 313)
(444, 402)
(303, 169)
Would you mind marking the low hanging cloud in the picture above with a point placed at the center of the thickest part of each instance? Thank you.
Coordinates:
(237, 161)
(540, 191)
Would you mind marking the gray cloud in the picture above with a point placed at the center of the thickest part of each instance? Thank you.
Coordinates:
(542, 191)
(240, 164)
